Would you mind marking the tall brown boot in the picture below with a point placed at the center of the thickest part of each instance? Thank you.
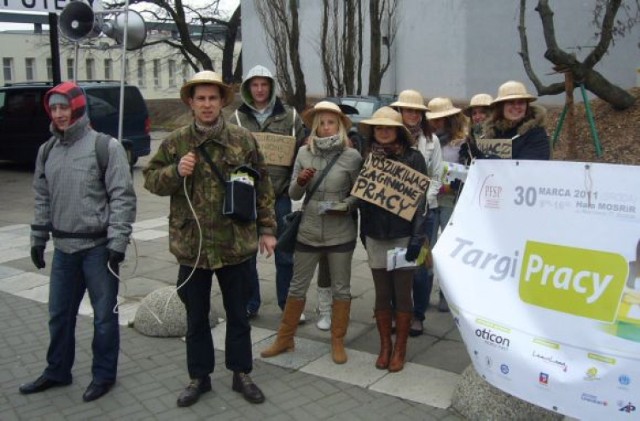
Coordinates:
(383, 320)
(403, 322)
(339, 321)
(288, 325)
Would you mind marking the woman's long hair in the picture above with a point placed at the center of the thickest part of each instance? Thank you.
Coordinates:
(342, 130)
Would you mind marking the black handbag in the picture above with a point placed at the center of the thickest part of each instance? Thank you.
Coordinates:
(239, 201)
(289, 234)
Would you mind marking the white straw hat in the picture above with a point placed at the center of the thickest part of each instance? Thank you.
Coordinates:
(478, 100)
(384, 116)
(513, 90)
(410, 98)
(441, 107)
(207, 77)
(325, 106)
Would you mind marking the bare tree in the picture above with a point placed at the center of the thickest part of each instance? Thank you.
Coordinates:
(191, 43)
(233, 27)
(581, 71)
(279, 19)
(383, 25)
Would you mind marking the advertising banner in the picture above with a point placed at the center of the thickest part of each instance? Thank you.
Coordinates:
(541, 265)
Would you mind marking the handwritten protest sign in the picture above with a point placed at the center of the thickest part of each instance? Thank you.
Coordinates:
(277, 149)
(390, 185)
(498, 147)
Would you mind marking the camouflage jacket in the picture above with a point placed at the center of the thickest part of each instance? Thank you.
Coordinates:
(284, 121)
(224, 241)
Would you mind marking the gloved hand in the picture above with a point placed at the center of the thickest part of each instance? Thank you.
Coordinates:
(305, 176)
(412, 252)
(37, 256)
(455, 185)
(115, 258)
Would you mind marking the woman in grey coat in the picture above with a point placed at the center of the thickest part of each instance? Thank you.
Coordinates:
(327, 229)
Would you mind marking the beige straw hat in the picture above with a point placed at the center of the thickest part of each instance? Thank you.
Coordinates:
(478, 100)
(384, 116)
(410, 98)
(513, 90)
(207, 77)
(441, 107)
(325, 106)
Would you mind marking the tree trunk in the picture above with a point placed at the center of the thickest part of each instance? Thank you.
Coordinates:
(229, 45)
(300, 94)
(375, 50)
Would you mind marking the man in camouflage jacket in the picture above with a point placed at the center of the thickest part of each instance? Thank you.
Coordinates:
(210, 242)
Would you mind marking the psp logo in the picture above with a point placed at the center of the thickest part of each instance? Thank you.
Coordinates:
(628, 408)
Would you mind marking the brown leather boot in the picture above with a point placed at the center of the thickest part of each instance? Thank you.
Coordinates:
(339, 323)
(288, 325)
(403, 322)
(383, 320)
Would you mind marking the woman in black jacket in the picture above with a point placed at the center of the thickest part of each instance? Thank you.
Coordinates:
(382, 230)
(515, 118)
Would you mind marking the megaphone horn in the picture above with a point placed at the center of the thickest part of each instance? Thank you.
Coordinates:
(136, 29)
(77, 21)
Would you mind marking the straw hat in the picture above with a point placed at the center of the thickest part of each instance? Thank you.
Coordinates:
(478, 100)
(513, 90)
(441, 107)
(325, 106)
(206, 77)
(410, 99)
(384, 116)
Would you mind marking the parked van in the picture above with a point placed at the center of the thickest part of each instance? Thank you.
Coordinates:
(24, 124)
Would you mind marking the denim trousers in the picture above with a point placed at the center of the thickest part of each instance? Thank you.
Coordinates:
(423, 277)
(196, 296)
(72, 275)
(284, 261)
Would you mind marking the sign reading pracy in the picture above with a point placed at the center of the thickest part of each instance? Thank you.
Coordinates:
(277, 149)
(390, 185)
(496, 147)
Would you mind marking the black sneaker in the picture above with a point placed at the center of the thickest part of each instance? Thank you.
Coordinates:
(192, 392)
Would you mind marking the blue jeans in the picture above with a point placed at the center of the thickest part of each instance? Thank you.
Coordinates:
(284, 261)
(423, 277)
(71, 275)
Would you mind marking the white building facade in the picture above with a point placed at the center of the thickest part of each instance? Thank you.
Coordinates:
(457, 48)
(158, 70)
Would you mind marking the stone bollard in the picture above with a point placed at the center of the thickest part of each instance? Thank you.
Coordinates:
(475, 399)
(162, 314)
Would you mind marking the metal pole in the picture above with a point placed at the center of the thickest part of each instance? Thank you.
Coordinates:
(122, 71)
(55, 49)
(76, 48)
(592, 124)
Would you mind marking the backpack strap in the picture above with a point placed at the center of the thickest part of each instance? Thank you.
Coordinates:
(293, 122)
(47, 149)
(102, 152)
(238, 119)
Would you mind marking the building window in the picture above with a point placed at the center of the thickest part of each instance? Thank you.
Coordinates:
(7, 69)
(108, 68)
(141, 73)
(49, 69)
(91, 67)
(30, 68)
(185, 70)
(156, 73)
(172, 73)
(70, 73)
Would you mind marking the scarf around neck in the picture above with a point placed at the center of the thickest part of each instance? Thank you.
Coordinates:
(327, 144)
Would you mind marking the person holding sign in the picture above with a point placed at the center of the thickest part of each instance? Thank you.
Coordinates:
(325, 170)
(278, 129)
(450, 125)
(386, 226)
(411, 106)
(519, 122)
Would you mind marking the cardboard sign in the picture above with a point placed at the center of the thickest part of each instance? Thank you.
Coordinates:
(498, 147)
(276, 148)
(390, 185)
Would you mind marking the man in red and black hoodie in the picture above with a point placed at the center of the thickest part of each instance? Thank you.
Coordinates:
(88, 211)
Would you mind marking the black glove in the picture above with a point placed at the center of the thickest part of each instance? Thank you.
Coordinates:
(412, 253)
(455, 184)
(115, 258)
(37, 256)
